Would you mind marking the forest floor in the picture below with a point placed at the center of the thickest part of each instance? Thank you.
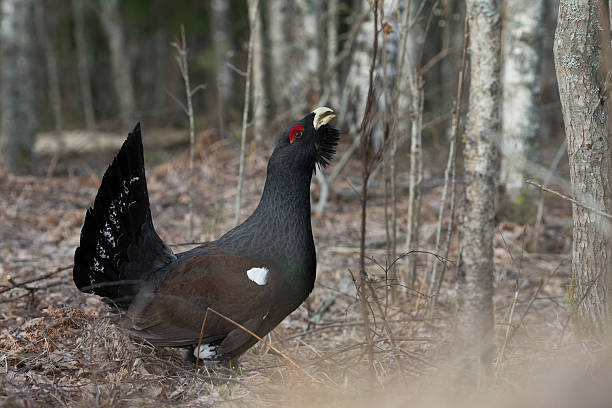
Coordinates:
(59, 348)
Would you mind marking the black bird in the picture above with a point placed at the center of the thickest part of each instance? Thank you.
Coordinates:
(255, 274)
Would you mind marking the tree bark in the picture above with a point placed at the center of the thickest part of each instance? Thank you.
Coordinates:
(279, 19)
(259, 91)
(307, 49)
(225, 79)
(120, 61)
(18, 123)
(586, 112)
(332, 50)
(55, 99)
(355, 89)
(83, 65)
(453, 16)
(475, 269)
(523, 33)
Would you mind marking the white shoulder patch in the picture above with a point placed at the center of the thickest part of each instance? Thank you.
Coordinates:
(206, 352)
(258, 275)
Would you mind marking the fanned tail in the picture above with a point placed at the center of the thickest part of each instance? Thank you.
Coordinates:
(119, 246)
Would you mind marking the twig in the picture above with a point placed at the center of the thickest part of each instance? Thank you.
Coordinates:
(508, 327)
(535, 296)
(283, 355)
(385, 161)
(181, 59)
(387, 328)
(537, 230)
(437, 58)
(245, 112)
(39, 278)
(570, 199)
(236, 69)
(453, 171)
(365, 136)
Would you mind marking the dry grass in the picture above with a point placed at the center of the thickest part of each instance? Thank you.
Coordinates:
(58, 347)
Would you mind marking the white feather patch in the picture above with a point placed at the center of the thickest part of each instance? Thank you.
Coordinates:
(258, 275)
(206, 352)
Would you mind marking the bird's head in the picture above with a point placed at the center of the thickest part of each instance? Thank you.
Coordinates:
(308, 141)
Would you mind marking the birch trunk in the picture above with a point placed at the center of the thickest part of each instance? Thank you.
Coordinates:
(475, 268)
(225, 79)
(307, 49)
(83, 65)
(120, 61)
(18, 123)
(332, 50)
(355, 89)
(523, 35)
(259, 91)
(221, 37)
(586, 112)
(279, 17)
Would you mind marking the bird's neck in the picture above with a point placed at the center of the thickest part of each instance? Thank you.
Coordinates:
(279, 227)
(279, 233)
(285, 197)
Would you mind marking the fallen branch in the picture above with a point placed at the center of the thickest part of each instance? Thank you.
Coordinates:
(39, 278)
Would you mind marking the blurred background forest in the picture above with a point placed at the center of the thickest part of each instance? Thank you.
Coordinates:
(105, 65)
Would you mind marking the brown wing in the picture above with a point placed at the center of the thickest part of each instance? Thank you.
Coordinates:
(172, 314)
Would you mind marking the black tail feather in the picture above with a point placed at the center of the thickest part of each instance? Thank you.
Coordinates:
(119, 246)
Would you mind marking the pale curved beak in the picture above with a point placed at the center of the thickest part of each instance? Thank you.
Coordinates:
(322, 117)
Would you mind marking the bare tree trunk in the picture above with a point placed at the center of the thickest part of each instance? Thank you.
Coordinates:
(308, 50)
(113, 28)
(354, 92)
(452, 34)
(332, 50)
(83, 66)
(551, 124)
(279, 19)
(523, 35)
(259, 91)
(18, 124)
(225, 79)
(51, 64)
(475, 269)
(406, 80)
(582, 33)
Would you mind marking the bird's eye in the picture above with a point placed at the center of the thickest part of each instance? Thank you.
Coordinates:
(296, 132)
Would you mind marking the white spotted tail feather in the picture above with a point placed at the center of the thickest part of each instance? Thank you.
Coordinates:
(119, 245)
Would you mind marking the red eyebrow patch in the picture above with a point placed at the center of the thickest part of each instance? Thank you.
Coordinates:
(294, 130)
